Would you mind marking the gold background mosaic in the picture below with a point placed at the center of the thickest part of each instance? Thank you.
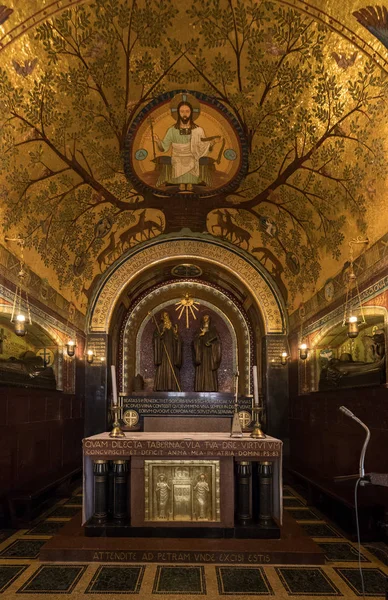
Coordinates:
(306, 82)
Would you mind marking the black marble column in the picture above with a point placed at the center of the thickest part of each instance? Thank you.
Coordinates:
(120, 496)
(265, 491)
(100, 471)
(96, 393)
(244, 514)
(275, 388)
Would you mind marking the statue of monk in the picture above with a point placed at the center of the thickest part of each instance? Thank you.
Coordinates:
(207, 357)
(167, 345)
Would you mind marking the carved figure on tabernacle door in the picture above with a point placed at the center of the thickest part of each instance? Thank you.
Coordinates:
(207, 357)
(167, 345)
(201, 492)
(162, 494)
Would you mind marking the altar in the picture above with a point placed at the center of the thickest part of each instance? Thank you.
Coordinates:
(170, 484)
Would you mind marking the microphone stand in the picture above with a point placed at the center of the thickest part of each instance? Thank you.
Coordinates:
(361, 480)
(361, 473)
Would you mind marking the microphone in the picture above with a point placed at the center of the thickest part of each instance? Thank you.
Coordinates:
(349, 413)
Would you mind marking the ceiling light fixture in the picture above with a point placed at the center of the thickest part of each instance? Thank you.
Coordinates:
(20, 308)
(353, 312)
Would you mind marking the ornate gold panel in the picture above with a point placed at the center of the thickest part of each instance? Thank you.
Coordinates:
(182, 490)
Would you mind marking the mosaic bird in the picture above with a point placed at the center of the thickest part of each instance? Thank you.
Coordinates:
(103, 227)
(274, 49)
(3, 192)
(325, 172)
(339, 131)
(371, 188)
(375, 20)
(4, 13)
(274, 196)
(97, 49)
(342, 60)
(27, 68)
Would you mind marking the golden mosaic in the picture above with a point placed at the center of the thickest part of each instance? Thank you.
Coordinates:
(265, 298)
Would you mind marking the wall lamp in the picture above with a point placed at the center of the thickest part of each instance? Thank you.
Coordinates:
(303, 351)
(283, 358)
(90, 356)
(70, 348)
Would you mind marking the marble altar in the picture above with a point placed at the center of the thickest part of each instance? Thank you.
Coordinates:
(181, 481)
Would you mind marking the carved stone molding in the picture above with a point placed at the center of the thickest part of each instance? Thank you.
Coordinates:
(120, 277)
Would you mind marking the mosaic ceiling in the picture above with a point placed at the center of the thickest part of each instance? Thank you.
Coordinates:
(290, 99)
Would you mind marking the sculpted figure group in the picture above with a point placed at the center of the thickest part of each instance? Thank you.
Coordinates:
(164, 491)
(167, 345)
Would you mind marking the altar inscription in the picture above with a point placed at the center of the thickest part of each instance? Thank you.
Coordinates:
(186, 406)
(189, 448)
(178, 557)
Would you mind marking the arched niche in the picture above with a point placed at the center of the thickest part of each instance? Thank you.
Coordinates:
(238, 339)
(41, 339)
(333, 335)
(234, 269)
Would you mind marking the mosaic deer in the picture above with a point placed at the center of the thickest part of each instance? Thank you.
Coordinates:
(133, 231)
(108, 254)
(241, 235)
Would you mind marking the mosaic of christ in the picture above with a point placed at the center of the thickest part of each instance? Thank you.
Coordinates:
(186, 145)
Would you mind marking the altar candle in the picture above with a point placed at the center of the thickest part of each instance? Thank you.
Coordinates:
(114, 385)
(255, 386)
(236, 376)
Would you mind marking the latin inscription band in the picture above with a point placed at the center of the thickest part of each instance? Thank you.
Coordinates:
(248, 448)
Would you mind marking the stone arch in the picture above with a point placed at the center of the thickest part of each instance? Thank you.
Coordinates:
(338, 317)
(247, 269)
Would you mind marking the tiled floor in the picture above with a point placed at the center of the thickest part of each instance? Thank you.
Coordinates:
(22, 573)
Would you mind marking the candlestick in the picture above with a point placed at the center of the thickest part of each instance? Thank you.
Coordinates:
(236, 425)
(114, 385)
(255, 386)
(116, 431)
(257, 433)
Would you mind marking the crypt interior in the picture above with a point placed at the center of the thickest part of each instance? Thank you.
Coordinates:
(193, 298)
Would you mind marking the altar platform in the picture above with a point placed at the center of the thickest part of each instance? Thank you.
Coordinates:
(170, 484)
(294, 547)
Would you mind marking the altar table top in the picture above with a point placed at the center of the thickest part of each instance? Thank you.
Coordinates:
(182, 444)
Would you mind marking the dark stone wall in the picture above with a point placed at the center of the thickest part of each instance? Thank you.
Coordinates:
(275, 418)
(325, 443)
(42, 433)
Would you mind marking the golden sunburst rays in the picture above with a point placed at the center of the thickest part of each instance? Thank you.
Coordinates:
(186, 306)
